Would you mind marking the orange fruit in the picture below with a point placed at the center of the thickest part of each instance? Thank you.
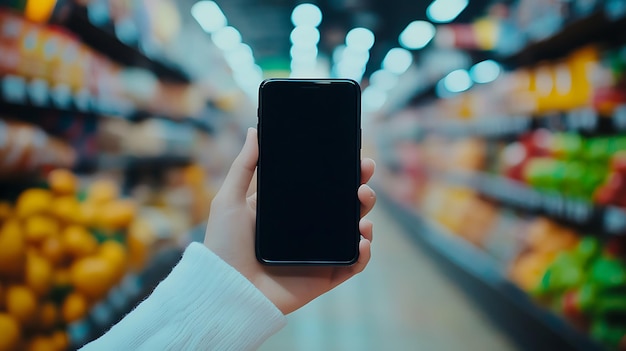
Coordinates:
(39, 227)
(63, 182)
(40, 343)
(116, 214)
(78, 241)
(12, 249)
(102, 191)
(33, 201)
(52, 250)
(66, 209)
(93, 276)
(5, 210)
(48, 315)
(115, 254)
(38, 275)
(10, 333)
(60, 340)
(21, 303)
(74, 307)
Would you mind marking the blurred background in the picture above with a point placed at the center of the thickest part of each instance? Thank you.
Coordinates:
(498, 127)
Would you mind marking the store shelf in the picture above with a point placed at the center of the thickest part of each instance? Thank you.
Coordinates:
(549, 331)
(132, 163)
(604, 26)
(103, 39)
(588, 217)
(29, 100)
(584, 121)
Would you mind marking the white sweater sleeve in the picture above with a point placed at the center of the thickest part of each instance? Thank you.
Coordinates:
(204, 304)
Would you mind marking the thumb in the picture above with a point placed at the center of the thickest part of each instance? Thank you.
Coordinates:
(241, 171)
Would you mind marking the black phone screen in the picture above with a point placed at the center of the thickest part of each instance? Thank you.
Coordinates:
(308, 172)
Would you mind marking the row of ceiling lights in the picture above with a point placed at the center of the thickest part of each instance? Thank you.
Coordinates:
(349, 60)
(238, 55)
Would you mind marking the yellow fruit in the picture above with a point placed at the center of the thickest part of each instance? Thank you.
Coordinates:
(116, 214)
(52, 250)
(33, 201)
(2, 297)
(12, 249)
(89, 213)
(5, 211)
(39, 227)
(93, 276)
(21, 303)
(66, 209)
(48, 316)
(10, 333)
(78, 242)
(74, 307)
(60, 340)
(137, 252)
(103, 191)
(38, 276)
(115, 254)
(40, 343)
(62, 278)
(63, 182)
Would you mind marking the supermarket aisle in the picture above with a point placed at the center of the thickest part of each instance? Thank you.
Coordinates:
(401, 302)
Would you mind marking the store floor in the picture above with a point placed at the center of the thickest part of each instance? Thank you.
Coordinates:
(402, 301)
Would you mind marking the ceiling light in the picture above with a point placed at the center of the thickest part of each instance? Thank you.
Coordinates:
(373, 98)
(209, 15)
(443, 11)
(307, 15)
(397, 60)
(355, 57)
(383, 79)
(360, 39)
(417, 34)
(485, 72)
(303, 53)
(457, 81)
(304, 36)
(227, 38)
(241, 56)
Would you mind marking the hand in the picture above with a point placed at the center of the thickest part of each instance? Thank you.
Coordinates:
(230, 235)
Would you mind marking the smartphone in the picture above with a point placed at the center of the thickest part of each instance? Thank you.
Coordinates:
(309, 171)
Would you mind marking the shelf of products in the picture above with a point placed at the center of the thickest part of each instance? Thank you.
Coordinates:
(486, 269)
(45, 67)
(103, 39)
(601, 24)
(528, 170)
(609, 220)
(584, 121)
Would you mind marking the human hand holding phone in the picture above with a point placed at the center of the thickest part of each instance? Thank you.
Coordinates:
(230, 234)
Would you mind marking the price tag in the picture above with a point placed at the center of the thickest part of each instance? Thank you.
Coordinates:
(102, 314)
(614, 220)
(619, 118)
(39, 92)
(14, 89)
(615, 9)
(78, 332)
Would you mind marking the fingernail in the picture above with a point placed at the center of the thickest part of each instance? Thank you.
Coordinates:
(371, 191)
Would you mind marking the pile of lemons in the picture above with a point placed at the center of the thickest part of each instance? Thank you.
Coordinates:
(61, 251)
